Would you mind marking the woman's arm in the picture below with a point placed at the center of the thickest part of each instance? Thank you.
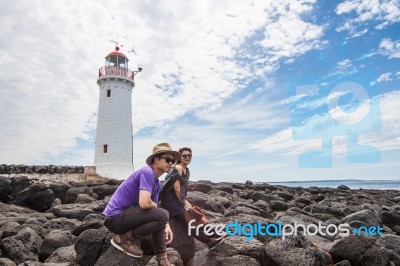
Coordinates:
(177, 188)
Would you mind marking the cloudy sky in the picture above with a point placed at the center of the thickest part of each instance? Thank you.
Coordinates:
(261, 90)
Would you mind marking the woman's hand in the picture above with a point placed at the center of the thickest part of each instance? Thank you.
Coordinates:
(169, 236)
(188, 205)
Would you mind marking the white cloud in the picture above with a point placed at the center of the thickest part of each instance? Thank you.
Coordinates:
(345, 67)
(383, 12)
(389, 48)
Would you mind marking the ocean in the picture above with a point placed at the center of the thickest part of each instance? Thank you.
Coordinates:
(351, 183)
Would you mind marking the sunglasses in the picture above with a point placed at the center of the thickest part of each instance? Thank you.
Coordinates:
(187, 155)
(168, 160)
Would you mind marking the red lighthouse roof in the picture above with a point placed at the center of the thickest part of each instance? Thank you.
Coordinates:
(116, 52)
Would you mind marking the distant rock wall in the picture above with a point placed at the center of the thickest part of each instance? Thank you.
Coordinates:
(40, 169)
(51, 172)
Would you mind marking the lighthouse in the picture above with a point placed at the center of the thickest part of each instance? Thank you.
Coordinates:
(114, 146)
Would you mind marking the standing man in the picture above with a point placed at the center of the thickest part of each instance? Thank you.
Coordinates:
(132, 211)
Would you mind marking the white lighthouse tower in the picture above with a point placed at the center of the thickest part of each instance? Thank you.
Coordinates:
(114, 148)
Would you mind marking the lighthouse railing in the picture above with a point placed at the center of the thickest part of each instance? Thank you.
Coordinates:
(116, 71)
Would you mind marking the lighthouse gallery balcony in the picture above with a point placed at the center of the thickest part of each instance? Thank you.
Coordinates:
(117, 71)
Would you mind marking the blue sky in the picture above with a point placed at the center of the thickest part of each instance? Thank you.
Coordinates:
(261, 90)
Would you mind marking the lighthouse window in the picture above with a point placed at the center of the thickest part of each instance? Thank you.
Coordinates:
(108, 93)
(105, 148)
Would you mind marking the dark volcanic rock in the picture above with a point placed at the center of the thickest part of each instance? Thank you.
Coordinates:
(21, 247)
(294, 250)
(363, 218)
(37, 197)
(89, 245)
(205, 188)
(114, 257)
(284, 195)
(351, 248)
(59, 224)
(54, 240)
(391, 218)
(60, 190)
(63, 255)
(73, 192)
(215, 206)
(19, 183)
(104, 191)
(278, 205)
(378, 256)
(9, 229)
(262, 196)
(5, 188)
(91, 221)
(78, 211)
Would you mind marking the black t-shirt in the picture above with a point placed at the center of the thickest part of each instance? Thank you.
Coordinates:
(170, 201)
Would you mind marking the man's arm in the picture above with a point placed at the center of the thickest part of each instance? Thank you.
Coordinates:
(145, 201)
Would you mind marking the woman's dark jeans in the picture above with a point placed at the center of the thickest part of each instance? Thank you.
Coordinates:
(141, 222)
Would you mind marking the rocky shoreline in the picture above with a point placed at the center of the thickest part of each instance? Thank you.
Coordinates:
(48, 220)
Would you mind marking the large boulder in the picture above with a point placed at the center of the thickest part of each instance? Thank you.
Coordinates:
(72, 211)
(239, 245)
(104, 191)
(62, 255)
(391, 242)
(114, 257)
(73, 192)
(89, 246)
(391, 218)
(378, 256)
(60, 189)
(9, 229)
(294, 250)
(351, 248)
(258, 195)
(215, 206)
(5, 188)
(363, 218)
(7, 262)
(59, 224)
(21, 247)
(201, 187)
(79, 211)
(197, 198)
(20, 183)
(278, 205)
(37, 197)
(91, 221)
(54, 240)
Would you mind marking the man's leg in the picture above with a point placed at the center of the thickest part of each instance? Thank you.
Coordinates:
(141, 223)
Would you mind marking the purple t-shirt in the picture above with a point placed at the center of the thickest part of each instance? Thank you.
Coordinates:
(127, 194)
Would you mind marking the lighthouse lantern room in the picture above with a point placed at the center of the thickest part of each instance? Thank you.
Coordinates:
(114, 148)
